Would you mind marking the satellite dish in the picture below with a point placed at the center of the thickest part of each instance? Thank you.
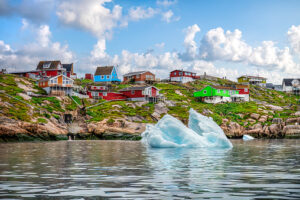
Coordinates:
(295, 83)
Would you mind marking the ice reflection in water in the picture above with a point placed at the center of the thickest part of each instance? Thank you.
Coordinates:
(66, 170)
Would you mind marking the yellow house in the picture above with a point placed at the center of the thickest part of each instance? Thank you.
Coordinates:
(252, 80)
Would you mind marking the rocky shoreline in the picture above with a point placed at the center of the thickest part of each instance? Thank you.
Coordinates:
(14, 130)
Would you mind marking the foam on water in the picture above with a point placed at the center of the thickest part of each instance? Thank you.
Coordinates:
(170, 132)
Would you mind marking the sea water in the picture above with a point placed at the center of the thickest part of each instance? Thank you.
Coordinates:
(202, 131)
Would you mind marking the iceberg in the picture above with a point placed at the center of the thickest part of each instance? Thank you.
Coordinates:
(247, 137)
(169, 132)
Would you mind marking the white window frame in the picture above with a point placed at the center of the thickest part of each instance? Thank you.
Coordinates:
(246, 90)
(104, 94)
(204, 92)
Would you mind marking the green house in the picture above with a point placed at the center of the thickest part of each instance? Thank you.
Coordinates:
(217, 94)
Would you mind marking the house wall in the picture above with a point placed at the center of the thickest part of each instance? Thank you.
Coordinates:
(89, 76)
(153, 92)
(136, 94)
(108, 96)
(182, 79)
(51, 73)
(140, 78)
(207, 91)
(107, 78)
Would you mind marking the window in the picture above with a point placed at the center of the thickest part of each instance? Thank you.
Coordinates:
(46, 65)
(104, 93)
(102, 77)
(246, 89)
(204, 92)
(132, 91)
(218, 91)
(174, 73)
(138, 76)
(107, 77)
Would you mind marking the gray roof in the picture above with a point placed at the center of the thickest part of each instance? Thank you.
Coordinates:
(68, 67)
(105, 70)
(288, 81)
(135, 73)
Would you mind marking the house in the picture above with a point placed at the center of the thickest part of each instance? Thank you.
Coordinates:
(59, 85)
(243, 91)
(140, 77)
(291, 85)
(69, 70)
(89, 76)
(144, 93)
(106, 74)
(3, 71)
(182, 76)
(51, 68)
(102, 92)
(252, 80)
(218, 94)
(277, 87)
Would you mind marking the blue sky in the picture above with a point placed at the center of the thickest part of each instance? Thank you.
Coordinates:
(223, 38)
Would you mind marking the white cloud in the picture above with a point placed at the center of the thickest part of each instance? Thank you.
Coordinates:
(166, 3)
(294, 38)
(218, 45)
(169, 16)
(189, 42)
(27, 57)
(90, 15)
(138, 13)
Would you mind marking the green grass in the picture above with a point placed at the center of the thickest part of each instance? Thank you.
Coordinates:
(53, 106)
(42, 120)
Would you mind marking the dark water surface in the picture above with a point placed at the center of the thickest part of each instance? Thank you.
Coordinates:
(259, 169)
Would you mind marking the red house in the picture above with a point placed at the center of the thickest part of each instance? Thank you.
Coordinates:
(145, 93)
(244, 90)
(89, 76)
(182, 76)
(51, 68)
(102, 92)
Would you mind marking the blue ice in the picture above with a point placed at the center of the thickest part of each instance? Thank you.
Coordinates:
(170, 132)
(247, 137)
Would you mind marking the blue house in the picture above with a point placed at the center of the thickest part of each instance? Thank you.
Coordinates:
(106, 74)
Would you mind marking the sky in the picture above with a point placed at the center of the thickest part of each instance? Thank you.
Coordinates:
(224, 38)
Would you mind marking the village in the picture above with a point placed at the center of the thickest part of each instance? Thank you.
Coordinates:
(59, 79)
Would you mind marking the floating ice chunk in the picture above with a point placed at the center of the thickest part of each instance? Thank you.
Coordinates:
(209, 129)
(170, 132)
(247, 137)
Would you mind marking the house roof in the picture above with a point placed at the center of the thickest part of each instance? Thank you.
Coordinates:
(48, 78)
(182, 71)
(135, 88)
(105, 70)
(223, 87)
(53, 64)
(288, 81)
(68, 67)
(135, 73)
(258, 77)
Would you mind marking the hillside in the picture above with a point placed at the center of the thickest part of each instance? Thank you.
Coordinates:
(269, 114)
